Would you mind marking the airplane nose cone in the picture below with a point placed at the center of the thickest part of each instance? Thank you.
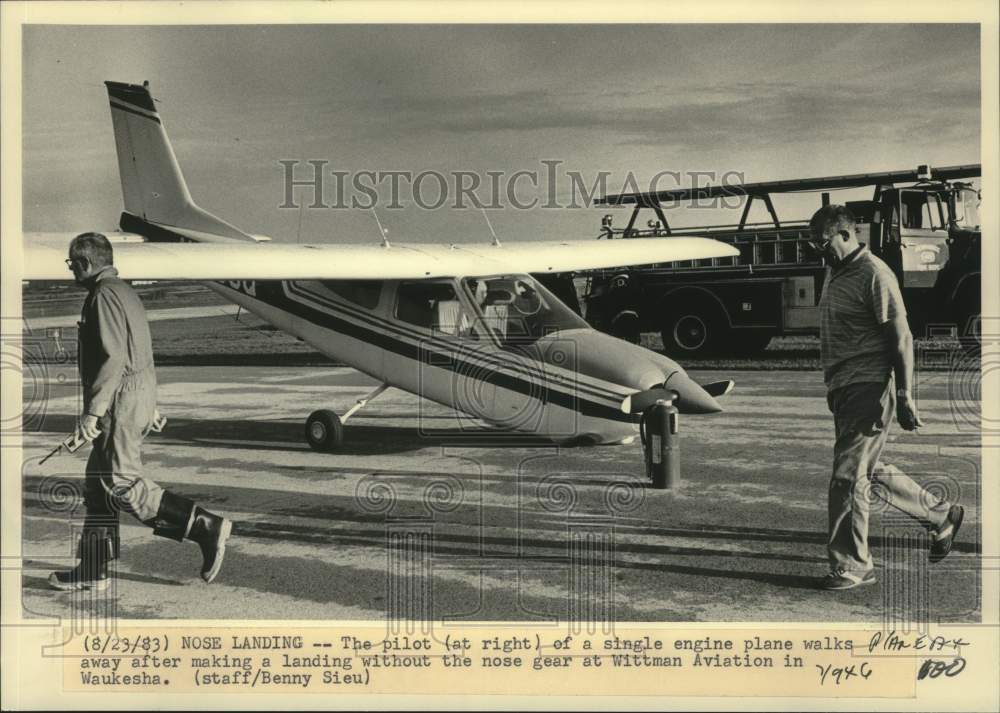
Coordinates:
(691, 397)
(631, 366)
(602, 357)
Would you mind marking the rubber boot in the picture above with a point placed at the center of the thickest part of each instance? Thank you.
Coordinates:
(173, 518)
(179, 519)
(210, 531)
(97, 547)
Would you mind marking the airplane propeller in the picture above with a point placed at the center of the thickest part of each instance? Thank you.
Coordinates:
(691, 397)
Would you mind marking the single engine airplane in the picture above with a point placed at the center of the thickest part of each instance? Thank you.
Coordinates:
(463, 325)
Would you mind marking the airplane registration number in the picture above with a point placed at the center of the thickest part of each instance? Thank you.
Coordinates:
(248, 287)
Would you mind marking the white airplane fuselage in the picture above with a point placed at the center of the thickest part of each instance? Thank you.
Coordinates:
(498, 347)
(566, 386)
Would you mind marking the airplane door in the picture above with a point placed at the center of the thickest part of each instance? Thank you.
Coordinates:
(437, 353)
(522, 391)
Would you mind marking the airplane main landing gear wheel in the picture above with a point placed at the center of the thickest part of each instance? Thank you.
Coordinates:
(324, 431)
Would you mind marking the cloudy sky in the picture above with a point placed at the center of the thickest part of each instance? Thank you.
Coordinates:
(767, 101)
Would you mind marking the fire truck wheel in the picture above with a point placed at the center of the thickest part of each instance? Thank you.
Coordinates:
(625, 326)
(695, 329)
(324, 431)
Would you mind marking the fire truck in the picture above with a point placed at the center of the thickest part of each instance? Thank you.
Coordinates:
(924, 224)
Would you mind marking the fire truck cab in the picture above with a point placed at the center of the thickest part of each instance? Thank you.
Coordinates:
(927, 231)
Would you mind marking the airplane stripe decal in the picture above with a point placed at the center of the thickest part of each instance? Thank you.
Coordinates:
(494, 360)
(453, 362)
(131, 110)
(131, 94)
(151, 231)
(271, 294)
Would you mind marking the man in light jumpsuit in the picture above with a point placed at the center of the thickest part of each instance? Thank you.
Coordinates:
(867, 354)
(119, 403)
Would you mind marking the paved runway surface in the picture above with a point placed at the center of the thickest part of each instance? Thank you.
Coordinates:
(421, 517)
(154, 315)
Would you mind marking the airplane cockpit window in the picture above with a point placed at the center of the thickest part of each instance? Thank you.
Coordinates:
(364, 293)
(519, 310)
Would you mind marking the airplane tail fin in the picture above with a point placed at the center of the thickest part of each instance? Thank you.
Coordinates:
(157, 201)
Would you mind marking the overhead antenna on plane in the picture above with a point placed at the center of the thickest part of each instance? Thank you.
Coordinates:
(383, 233)
(496, 240)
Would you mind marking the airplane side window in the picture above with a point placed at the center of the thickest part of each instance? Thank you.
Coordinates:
(431, 305)
(446, 317)
(364, 293)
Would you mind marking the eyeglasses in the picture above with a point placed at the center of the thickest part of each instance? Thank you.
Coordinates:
(69, 261)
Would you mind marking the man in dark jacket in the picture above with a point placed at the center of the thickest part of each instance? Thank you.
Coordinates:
(119, 403)
(867, 354)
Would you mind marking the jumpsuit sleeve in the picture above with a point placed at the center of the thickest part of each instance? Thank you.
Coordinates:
(112, 331)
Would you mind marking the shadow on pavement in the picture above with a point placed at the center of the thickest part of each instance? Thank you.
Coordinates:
(359, 438)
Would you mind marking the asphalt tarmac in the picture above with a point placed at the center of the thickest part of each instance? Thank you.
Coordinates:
(423, 515)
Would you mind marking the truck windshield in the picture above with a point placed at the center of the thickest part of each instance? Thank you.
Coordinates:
(519, 310)
(967, 208)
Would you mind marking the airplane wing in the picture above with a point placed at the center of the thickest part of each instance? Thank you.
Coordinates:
(44, 256)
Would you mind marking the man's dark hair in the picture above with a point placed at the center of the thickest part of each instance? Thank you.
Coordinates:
(832, 218)
(93, 246)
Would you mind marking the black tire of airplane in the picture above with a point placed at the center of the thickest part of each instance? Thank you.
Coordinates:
(324, 431)
(695, 328)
